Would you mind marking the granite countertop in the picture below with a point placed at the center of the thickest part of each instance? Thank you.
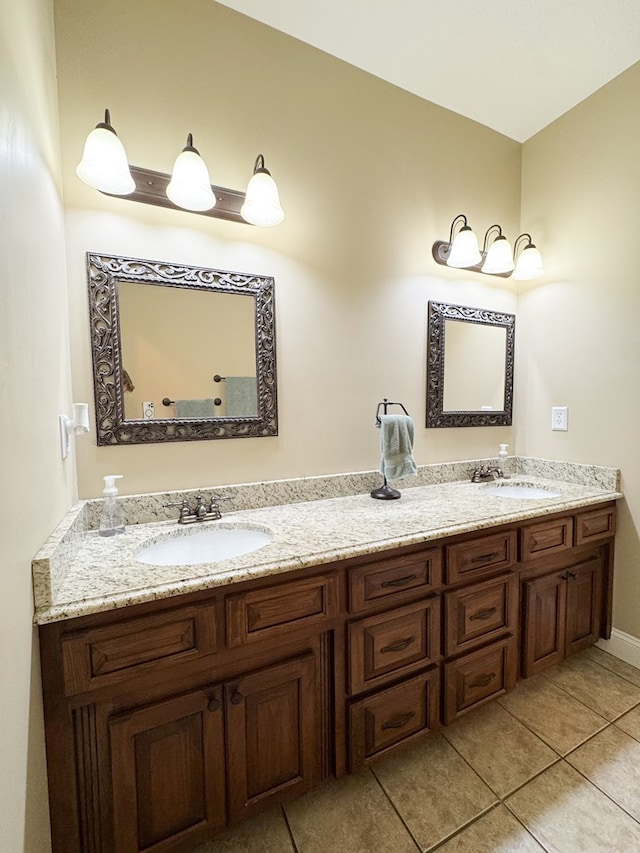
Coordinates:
(103, 574)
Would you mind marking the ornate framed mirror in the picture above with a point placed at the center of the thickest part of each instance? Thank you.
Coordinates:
(470, 363)
(180, 353)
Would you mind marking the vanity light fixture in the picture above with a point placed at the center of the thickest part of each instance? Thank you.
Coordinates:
(104, 167)
(495, 258)
(463, 248)
(73, 426)
(262, 201)
(104, 163)
(498, 255)
(529, 260)
(190, 184)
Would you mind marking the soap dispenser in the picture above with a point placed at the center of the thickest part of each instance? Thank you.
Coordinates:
(503, 453)
(112, 515)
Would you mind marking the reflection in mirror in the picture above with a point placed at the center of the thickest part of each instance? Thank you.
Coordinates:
(470, 364)
(198, 344)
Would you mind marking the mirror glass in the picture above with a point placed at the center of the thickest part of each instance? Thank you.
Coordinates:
(180, 353)
(469, 366)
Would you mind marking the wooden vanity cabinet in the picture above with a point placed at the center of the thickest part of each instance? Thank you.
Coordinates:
(170, 720)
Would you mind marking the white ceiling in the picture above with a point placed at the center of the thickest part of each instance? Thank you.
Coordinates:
(513, 65)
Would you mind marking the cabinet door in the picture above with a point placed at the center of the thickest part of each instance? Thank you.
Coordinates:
(168, 772)
(545, 604)
(273, 734)
(584, 590)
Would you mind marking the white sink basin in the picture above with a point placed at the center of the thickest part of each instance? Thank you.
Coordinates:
(521, 491)
(204, 546)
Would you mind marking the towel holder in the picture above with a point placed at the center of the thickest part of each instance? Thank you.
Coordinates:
(167, 402)
(386, 492)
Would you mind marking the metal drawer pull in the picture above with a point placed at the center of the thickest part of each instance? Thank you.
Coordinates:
(399, 581)
(483, 680)
(399, 722)
(398, 647)
(214, 704)
(566, 575)
(484, 558)
(236, 698)
(483, 614)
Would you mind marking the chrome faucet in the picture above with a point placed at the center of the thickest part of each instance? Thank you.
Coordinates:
(483, 473)
(201, 512)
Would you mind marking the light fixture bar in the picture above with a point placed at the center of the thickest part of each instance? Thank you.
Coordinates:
(151, 188)
(441, 250)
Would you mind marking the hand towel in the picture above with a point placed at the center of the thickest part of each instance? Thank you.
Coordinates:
(396, 444)
(242, 396)
(195, 408)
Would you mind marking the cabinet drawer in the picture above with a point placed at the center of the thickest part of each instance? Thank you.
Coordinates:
(263, 613)
(547, 537)
(594, 526)
(394, 579)
(392, 716)
(477, 557)
(111, 654)
(480, 613)
(479, 676)
(395, 643)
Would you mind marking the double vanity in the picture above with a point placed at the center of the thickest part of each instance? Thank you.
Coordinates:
(188, 687)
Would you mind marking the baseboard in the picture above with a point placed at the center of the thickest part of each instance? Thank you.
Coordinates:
(623, 646)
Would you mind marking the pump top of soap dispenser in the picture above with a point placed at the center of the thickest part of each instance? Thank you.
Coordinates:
(110, 484)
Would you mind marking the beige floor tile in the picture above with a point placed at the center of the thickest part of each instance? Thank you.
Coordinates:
(352, 814)
(496, 832)
(630, 723)
(266, 833)
(567, 814)
(611, 760)
(500, 749)
(598, 688)
(433, 788)
(560, 720)
(620, 667)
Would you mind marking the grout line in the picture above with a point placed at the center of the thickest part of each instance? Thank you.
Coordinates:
(526, 828)
(602, 791)
(462, 828)
(393, 806)
(289, 830)
(606, 722)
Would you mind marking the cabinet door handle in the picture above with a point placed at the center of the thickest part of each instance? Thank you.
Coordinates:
(483, 680)
(399, 722)
(483, 614)
(397, 647)
(484, 558)
(236, 697)
(399, 581)
(571, 574)
(214, 704)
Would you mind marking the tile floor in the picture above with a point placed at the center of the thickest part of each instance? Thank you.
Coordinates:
(554, 765)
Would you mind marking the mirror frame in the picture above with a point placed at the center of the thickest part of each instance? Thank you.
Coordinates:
(438, 313)
(104, 272)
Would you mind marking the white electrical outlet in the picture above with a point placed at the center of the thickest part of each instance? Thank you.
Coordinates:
(148, 411)
(559, 418)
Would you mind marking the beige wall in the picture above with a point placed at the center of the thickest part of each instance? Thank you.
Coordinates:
(369, 176)
(37, 486)
(579, 342)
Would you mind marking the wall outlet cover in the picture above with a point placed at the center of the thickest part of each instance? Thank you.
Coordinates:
(559, 418)
(148, 411)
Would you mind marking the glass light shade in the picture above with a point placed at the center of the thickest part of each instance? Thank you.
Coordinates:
(529, 264)
(104, 164)
(190, 185)
(262, 201)
(499, 257)
(464, 249)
